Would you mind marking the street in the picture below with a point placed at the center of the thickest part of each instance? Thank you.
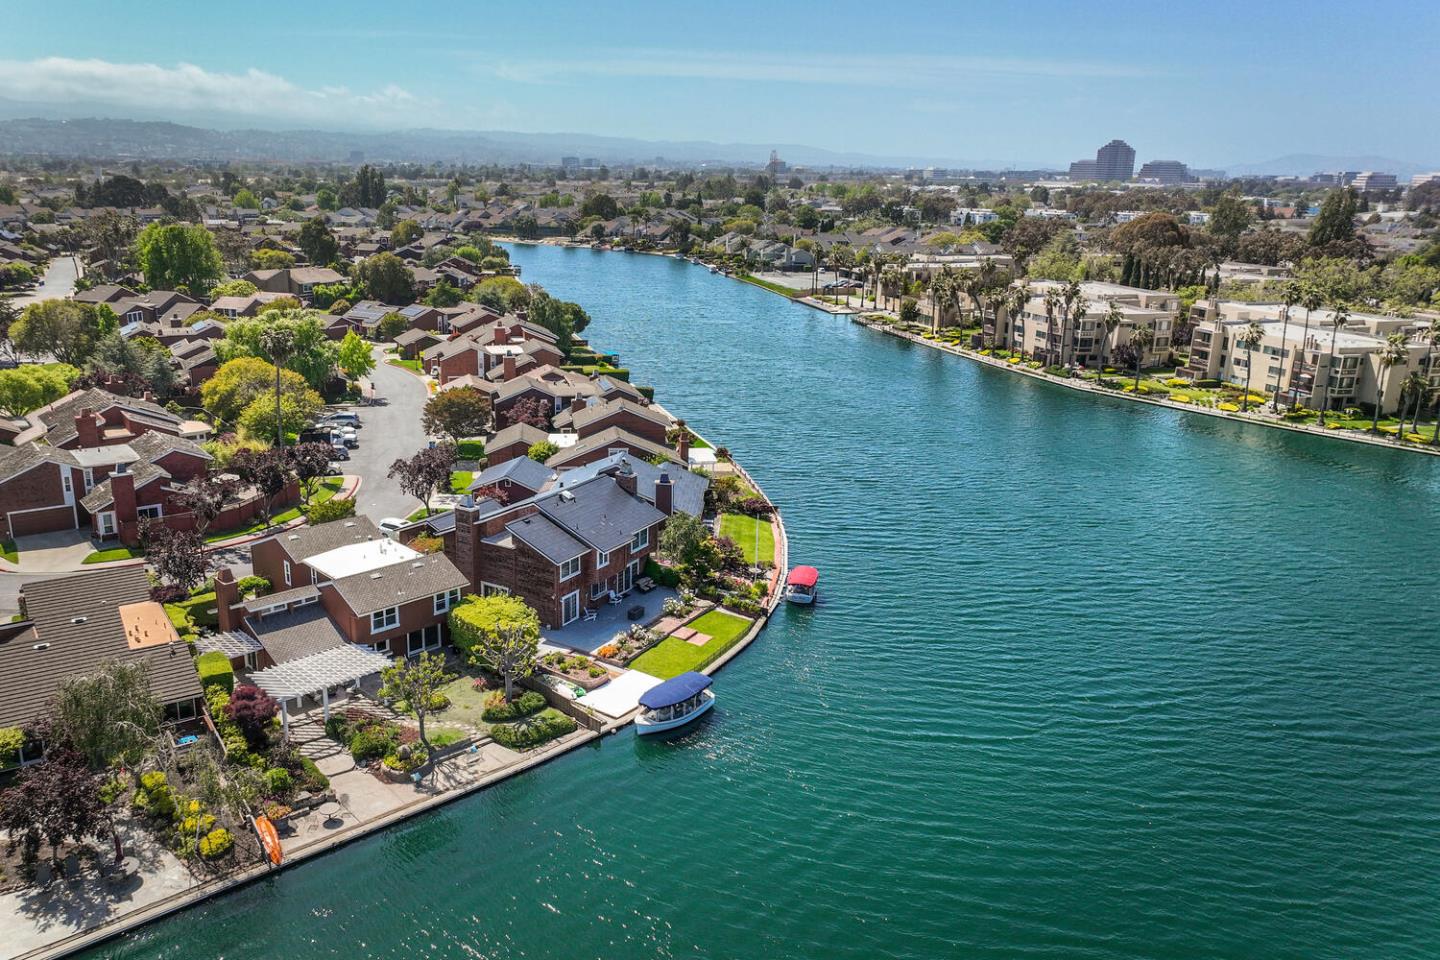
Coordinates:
(59, 281)
(389, 431)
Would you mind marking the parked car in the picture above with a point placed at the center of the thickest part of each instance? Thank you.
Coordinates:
(349, 437)
(344, 419)
(390, 525)
(339, 452)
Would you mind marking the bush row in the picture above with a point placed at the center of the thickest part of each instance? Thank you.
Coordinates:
(498, 710)
(533, 731)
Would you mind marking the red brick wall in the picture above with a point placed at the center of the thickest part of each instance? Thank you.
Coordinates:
(628, 421)
(31, 490)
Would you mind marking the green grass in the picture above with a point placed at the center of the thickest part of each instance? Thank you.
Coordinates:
(466, 703)
(742, 530)
(470, 449)
(779, 288)
(9, 551)
(114, 553)
(412, 365)
(199, 607)
(445, 736)
(326, 489)
(460, 481)
(673, 656)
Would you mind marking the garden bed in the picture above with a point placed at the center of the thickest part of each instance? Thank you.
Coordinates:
(574, 668)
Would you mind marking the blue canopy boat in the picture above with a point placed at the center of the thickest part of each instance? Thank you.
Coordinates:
(674, 703)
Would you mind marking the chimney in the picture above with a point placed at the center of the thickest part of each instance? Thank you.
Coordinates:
(682, 446)
(578, 403)
(148, 397)
(517, 334)
(509, 367)
(625, 476)
(465, 534)
(664, 494)
(227, 594)
(88, 428)
(122, 492)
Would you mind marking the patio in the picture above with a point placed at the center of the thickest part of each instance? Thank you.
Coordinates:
(588, 636)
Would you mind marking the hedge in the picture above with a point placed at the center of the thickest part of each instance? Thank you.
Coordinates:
(533, 732)
(314, 780)
(11, 740)
(327, 510)
(663, 575)
(498, 711)
(214, 670)
(470, 450)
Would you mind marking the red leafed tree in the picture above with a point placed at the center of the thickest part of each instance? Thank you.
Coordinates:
(252, 709)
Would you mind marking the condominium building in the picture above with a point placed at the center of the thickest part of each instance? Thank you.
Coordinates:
(1037, 331)
(1310, 362)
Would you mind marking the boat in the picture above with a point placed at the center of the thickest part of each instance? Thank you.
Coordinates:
(269, 839)
(802, 584)
(674, 703)
(714, 269)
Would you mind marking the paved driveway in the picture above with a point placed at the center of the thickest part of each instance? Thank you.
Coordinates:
(58, 281)
(388, 432)
(59, 552)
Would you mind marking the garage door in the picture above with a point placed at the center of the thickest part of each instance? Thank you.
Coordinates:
(46, 520)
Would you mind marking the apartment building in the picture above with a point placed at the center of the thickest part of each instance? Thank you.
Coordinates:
(1037, 331)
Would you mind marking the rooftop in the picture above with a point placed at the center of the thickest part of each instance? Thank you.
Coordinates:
(363, 557)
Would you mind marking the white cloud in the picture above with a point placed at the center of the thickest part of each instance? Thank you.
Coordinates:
(911, 72)
(186, 87)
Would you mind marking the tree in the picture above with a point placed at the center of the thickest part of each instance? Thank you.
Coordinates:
(416, 681)
(240, 382)
(1341, 316)
(600, 205)
(560, 317)
(111, 233)
(443, 294)
(268, 258)
(1415, 394)
(1027, 236)
(423, 473)
(354, 357)
(1229, 218)
(108, 716)
(1141, 341)
(309, 351)
(173, 255)
(682, 537)
(277, 342)
(1108, 324)
(534, 411)
(317, 242)
(176, 556)
(205, 498)
(53, 802)
(264, 420)
(500, 633)
(1394, 353)
(63, 329)
(457, 413)
(1250, 339)
(253, 711)
(541, 451)
(309, 462)
(405, 232)
(386, 278)
(267, 470)
(142, 360)
(391, 326)
(233, 288)
(1335, 223)
(22, 389)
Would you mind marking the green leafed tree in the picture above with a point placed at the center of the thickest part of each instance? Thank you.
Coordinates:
(175, 255)
(499, 633)
(354, 357)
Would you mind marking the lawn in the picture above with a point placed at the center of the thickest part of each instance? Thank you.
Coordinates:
(412, 365)
(114, 553)
(420, 514)
(673, 656)
(460, 481)
(466, 703)
(9, 551)
(328, 487)
(743, 529)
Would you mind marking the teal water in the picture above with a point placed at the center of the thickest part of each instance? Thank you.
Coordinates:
(1090, 679)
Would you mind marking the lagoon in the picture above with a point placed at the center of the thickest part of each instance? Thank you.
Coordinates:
(1089, 678)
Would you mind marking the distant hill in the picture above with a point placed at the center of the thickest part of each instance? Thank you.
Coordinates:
(1304, 164)
(160, 140)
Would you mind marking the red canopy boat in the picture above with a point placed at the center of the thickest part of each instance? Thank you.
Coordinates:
(801, 585)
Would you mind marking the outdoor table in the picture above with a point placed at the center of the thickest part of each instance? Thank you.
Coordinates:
(330, 810)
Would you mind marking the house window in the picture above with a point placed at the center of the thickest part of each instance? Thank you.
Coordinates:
(107, 524)
(640, 541)
(180, 711)
(381, 646)
(151, 511)
(570, 568)
(488, 589)
(444, 601)
(602, 558)
(287, 573)
(65, 482)
(384, 619)
(314, 578)
(418, 641)
(89, 479)
(569, 607)
(598, 588)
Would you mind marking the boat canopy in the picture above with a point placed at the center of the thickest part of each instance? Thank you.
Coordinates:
(673, 691)
(803, 577)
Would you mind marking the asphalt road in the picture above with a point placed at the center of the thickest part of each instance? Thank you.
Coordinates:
(388, 432)
(58, 281)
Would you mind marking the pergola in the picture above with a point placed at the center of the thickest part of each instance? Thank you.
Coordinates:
(317, 673)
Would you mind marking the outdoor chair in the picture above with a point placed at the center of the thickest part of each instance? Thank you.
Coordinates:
(614, 599)
(590, 614)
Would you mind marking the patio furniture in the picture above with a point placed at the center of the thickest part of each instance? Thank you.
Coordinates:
(589, 614)
(644, 584)
(614, 599)
(328, 811)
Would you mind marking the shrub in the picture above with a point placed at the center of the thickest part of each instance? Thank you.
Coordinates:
(374, 741)
(661, 574)
(214, 670)
(11, 740)
(470, 450)
(1207, 384)
(216, 843)
(278, 782)
(337, 727)
(112, 789)
(252, 709)
(497, 710)
(253, 586)
(332, 509)
(311, 778)
(407, 762)
(154, 796)
(1228, 407)
(1177, 382)
(534, 731)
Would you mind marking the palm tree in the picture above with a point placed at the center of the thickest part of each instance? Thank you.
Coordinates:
(1341, 315)
(1052, 303)
(1250, 339)
(1292, 297)
(890, 279)
(1014, 303)
(1310, 299)
(943, 291)
(1069, 300)
(1415, 393)
(1393, 353)
(1142, 340)
(1108, 323)
(278, 342)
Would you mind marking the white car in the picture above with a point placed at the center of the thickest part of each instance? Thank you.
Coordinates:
(390, 525)
(349, 437)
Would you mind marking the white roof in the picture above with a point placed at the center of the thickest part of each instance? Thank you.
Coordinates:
(362, 557)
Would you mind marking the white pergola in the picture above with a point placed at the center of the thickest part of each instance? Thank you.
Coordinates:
(317, 673)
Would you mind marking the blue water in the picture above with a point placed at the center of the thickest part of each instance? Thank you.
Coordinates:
(1090, 679)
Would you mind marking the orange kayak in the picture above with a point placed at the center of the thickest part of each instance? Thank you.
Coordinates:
(269, 839)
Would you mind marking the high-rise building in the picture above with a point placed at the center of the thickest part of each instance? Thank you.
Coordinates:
(1420, 179)
(1168, 172)
(776, 165)
(1372, 180)
(570, 164)
(1084, 170)
(1115, 161)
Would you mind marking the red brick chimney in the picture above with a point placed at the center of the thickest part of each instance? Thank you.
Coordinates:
(87, 427)
(509, 367)
(122, 492)
(665, 494)
(227, 595)
(148, 397)
(682, 446)
(578, 403)
(625, 476)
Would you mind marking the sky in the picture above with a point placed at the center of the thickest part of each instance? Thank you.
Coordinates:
(999, 84)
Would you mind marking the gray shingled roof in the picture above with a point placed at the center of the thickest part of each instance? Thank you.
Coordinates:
(295, 633)
(546, 538)
(517, 432)
(398, 583)
(306, 542)
(100, 497)
(76, 619)
(687, 488)
(154, 445)
(522, 470)
(599, 513)
(607, 438)
(16, 460)
(283, 598)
